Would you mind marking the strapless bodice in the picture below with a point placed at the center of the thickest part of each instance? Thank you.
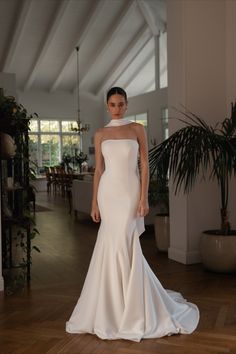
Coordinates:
(120, 156)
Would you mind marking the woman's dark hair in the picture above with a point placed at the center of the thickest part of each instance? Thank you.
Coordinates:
(116, 91)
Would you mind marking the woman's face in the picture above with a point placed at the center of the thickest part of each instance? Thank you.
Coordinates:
(116, 106)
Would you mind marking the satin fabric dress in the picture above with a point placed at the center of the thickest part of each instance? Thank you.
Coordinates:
(121, 296)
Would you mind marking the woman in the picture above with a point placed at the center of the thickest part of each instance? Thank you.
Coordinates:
(121, 296)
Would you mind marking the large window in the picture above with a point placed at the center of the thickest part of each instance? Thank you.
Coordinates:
(50, 149)
(49, 140)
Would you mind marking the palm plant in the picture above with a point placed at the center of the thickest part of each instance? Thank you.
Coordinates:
(199, 148)
(158, 194)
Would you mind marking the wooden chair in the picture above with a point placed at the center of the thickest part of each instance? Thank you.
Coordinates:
(55, 183)
(68, 189)
(48, 179)
(61, 179)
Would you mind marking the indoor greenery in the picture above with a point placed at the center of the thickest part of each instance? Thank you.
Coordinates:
(14, 121)
(77, 159)
(158, 194)
(199, 148)
(13, 116)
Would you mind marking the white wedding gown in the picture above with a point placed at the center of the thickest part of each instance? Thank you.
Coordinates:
(121, 296)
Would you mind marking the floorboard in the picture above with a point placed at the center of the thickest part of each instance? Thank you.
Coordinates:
(32, 320)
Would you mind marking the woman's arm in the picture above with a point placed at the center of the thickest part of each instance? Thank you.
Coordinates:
(99, 168)
(143, 207)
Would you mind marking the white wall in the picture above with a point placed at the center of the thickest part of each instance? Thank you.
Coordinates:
(230, 49)
(8, 83)
(198, 78)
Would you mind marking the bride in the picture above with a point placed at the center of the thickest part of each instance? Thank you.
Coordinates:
(121, 296)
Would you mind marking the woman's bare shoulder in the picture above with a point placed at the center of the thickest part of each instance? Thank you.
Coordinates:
(99, 133)
(101, 130)
(137, 126)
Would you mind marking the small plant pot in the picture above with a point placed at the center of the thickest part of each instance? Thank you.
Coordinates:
(162, 232)
(218, 252)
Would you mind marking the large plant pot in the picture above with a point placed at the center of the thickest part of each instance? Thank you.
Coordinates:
(7, 146)
(218, 252)
(162, 232)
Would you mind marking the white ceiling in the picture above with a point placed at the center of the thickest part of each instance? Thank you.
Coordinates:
(116, 39)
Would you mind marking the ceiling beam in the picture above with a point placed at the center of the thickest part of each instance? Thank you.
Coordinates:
(88, 23)
(112, 32)
(138, 69)
(46, 42)
(123, 62)
(154, 21)
(14, 40)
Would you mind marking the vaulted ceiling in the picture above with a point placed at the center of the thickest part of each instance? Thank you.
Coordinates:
(115, 37)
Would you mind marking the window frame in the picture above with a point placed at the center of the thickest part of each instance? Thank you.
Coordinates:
(60, 133)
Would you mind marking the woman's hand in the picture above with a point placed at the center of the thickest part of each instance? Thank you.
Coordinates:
(143, 208)
(95, 214)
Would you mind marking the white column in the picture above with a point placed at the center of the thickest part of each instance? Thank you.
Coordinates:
(230, 50)
(157, 62)
(196, 79)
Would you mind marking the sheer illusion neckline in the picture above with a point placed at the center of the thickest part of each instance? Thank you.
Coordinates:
(119, 140)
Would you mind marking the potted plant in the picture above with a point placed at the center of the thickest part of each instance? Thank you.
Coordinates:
(80, 159)
(66, 160)
(199, 148)
(13, 115)
(158, 195)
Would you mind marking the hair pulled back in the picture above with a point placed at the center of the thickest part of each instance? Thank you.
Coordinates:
(116, 91)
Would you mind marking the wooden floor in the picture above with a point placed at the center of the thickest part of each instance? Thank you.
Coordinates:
(33, 321)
